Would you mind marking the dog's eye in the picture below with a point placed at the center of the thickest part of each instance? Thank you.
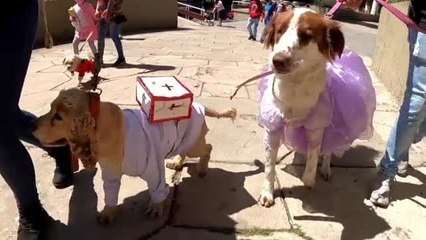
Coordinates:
(305, 37)
(57, 117)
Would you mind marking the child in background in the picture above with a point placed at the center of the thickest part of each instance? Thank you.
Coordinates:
(221, 11)
(82, 17)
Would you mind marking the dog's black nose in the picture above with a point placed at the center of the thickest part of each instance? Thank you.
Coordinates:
(282, 61)
(33, 126)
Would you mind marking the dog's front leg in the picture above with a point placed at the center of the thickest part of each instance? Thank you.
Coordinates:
(271, 143)
(111, 177)
(158, 189)
(314, 138)
(325, 167)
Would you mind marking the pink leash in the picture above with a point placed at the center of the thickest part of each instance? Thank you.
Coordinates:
(334, 9)
(401, 16)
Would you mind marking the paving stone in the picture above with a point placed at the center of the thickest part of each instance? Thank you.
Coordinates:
(77, 206)
(41, 82)
(336, 209)
(226, 198)
(206, 234)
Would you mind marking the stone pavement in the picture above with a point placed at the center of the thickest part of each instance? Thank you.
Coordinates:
(211, 61)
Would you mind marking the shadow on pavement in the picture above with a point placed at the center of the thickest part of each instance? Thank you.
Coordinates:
(131, 222)
(210, 201)
(341, 200)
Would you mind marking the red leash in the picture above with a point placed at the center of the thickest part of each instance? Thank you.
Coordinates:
(400, 15)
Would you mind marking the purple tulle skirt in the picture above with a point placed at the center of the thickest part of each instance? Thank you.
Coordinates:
(344, 110)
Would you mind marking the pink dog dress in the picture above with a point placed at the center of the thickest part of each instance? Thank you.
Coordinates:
(344, 109)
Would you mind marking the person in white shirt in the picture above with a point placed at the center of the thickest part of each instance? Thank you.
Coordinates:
(221, 11)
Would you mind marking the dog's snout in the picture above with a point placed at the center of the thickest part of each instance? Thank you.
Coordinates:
(282, 61)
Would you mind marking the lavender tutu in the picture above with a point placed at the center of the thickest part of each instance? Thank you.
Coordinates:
(345, 108)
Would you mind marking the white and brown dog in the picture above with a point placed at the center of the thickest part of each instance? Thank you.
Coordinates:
(124, 142)
(302, 43)
(80, 65)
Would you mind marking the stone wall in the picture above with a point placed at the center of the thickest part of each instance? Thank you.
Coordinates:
(390, 61)
(141, 15)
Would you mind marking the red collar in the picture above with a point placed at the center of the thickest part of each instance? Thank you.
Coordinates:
(94, 106)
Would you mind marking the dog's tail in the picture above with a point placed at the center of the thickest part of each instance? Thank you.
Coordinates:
(228, 113)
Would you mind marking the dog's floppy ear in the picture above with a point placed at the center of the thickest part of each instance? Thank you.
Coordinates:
(335, 39)
(268, 34)
(83, 138)
(276, 28)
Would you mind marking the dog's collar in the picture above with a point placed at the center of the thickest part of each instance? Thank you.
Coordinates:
(94, 106)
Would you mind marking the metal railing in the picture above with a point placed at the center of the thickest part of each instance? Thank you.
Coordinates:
(190, 11)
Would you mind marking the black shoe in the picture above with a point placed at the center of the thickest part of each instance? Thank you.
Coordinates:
(63, 175)
(250, 38)
(253, 38)
(33, 223)
(120, 61)
(62, 180)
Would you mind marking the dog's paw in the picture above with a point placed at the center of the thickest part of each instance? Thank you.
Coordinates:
(266, 199)
(326, 172)
(156, 209)
(107, 215)
(308, 181)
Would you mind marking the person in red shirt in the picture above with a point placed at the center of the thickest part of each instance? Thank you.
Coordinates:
(256, 14)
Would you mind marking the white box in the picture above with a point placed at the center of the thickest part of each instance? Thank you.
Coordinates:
(163, 98)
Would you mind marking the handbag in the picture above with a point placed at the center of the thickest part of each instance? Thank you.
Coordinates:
(119, 18)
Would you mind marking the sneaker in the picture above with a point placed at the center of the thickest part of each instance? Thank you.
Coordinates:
(33, 222)
(120, 61)
(402, 169)
(380, 196)
(62, 180)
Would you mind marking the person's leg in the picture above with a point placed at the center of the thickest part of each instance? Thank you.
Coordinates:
(117, 42)
(92, 47)
(266, 21)
(16, 168)
(255, 24)
(63, 175)
(411, 114)
(421, 133)
(249, 27)
(102, 25)
(75, 43)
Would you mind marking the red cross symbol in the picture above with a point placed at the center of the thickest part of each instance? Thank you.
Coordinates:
(168, 87)
(173, 106)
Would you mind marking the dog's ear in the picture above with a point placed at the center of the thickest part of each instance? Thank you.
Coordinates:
(83, 139)
(268, 34)
(276, 28)
(335, 39)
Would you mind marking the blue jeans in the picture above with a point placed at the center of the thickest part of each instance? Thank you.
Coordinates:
(252, 26)
(16, 166)
(114, 31)
(267, 20)
(411, 120)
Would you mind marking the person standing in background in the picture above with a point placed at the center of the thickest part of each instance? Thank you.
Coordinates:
(255, 15)
(110, 13)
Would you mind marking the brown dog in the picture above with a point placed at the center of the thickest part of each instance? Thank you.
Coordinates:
(124, 142)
